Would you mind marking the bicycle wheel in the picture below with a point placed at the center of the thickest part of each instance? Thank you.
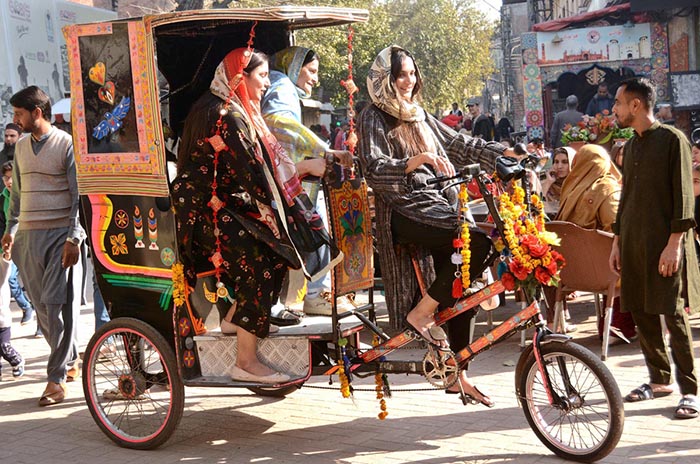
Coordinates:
(588, 424)
(131, 384)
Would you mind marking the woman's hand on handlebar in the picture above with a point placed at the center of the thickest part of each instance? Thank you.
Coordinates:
(342, 157)
(441, 166)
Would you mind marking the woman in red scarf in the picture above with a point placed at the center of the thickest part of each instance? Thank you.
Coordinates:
(241, 210)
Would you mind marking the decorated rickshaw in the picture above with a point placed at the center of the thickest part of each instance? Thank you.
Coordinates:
(132, 84)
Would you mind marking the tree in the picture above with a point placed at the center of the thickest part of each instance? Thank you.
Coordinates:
(449, 39)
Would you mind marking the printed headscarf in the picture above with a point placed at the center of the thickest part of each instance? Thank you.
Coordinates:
(229, 85)
(290, 61)
(382, 89)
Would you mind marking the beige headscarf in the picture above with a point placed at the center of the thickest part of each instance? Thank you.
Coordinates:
(593, 176)
(382, 89)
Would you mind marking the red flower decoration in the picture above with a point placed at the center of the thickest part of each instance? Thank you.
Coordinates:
(538, 250)
(508, 281)
(542, 275)
(518, 270)
(556, 256)
(528, 240)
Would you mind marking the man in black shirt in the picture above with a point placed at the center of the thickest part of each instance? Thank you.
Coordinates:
(482, 126)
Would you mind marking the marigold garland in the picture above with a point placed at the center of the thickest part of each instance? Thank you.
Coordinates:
(343, 366)
(344, 382)
(381, 383)
(463, 256)
(178, 284)
(529, 246)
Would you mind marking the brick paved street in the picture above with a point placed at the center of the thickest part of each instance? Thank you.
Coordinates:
(318, 426)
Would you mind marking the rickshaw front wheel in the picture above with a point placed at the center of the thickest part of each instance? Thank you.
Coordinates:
(131, 384)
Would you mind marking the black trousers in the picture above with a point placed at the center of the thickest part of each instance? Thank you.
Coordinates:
(439, 241)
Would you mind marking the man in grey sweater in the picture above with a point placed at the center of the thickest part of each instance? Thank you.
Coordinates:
(569, 116)
(43, 233)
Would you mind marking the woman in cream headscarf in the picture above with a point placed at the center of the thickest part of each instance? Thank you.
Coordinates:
(242, 214)
(293, 75)
(590, 194)
(590, 197)
(401, 147)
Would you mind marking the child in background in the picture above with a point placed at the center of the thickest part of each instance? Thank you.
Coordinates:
(16, 290)
(6, 350)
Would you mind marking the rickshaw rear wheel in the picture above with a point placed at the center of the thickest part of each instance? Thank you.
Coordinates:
(273, 392)
(131, 384)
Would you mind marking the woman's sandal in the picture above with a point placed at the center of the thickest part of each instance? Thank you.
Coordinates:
(434, 335)
(286, 317)
(645, 392)
(688, 408)
(471, 398)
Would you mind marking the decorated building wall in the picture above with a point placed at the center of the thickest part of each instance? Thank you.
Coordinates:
(650, 58)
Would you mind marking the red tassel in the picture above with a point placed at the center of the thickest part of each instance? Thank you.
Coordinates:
(457, 290)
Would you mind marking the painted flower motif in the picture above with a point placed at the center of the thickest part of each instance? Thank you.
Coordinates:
(118, 243)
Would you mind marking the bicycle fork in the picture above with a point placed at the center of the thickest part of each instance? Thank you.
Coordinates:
(554, 399)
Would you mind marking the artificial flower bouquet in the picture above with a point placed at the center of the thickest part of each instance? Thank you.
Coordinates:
(527, 246)
(600, 125)
(576, 133)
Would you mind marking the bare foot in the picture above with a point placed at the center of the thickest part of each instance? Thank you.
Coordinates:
(661, 388)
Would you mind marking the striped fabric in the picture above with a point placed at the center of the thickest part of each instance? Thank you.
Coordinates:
(384, 167)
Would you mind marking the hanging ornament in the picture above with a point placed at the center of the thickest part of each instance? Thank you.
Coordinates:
(351, 87)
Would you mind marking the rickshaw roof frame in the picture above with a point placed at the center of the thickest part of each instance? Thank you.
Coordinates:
(296, 17)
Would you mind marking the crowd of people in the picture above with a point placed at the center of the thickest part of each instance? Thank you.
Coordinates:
(243, 159)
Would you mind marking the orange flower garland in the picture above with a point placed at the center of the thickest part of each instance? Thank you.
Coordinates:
(344, 382)
(463, 259)
(380, 382)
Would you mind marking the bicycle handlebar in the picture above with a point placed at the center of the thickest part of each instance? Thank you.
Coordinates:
(469, 170)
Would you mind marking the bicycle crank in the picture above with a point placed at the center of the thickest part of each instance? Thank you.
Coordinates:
(440, 368)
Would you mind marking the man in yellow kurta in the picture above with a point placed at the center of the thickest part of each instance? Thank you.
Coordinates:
(653, 247)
